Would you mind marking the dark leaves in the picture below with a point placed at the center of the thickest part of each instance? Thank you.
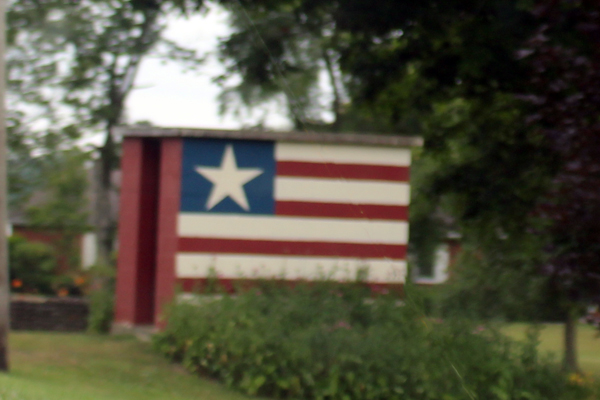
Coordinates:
(564, 57)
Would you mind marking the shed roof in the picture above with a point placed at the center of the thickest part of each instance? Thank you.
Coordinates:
(286, 136)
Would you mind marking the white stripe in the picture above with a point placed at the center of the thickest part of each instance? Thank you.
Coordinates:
(254, 267)
(342, 191)
(342, 154)
(237, 226)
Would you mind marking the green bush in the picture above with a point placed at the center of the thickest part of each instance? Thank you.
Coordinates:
(102, 299)
(329, 342)
(481, 288)
(32, 265)
(101, 311)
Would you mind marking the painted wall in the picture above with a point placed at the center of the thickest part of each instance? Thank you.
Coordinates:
(254, 209)
(247, 209)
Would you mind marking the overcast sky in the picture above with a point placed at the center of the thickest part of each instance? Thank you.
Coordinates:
(168, 97)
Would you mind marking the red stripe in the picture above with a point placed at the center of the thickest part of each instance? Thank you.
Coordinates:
(347, 171)
(200, 285)
(340, 210)
(238, 246)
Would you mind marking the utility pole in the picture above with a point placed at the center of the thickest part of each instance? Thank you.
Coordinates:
(4, 277)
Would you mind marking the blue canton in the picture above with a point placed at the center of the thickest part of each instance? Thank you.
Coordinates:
(203, 154)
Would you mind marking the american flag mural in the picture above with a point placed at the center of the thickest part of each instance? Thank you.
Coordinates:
(269, 209)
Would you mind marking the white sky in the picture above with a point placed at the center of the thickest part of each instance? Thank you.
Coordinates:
(168, 97)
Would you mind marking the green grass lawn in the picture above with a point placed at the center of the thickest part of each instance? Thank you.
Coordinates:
(48, 366)
(551, 340)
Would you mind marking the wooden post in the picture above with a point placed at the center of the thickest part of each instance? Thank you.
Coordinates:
(4, 277)
(570, 363)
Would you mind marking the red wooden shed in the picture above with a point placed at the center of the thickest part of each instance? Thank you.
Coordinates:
(255, 204)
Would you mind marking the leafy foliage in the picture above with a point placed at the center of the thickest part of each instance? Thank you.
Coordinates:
(479, 289)
(101, 311)
(23, 168)
(64, 209)
(279, 51)
(564, 56)
(102, 299)
(75, 77)
(65, 186)
(326, 341)
(31, 266)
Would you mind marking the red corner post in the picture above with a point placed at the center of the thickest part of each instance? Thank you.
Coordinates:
(136, 264)
(167, 241)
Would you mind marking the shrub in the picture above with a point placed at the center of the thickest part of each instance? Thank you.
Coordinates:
(101, 299)
(329, 342)
(101, 311)
(32, 266)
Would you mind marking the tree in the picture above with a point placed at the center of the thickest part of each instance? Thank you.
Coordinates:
(279, 50)
(519, 148)
(564, 55)
(65, 208)
(24, 170)
(4, 274)
(85, 69)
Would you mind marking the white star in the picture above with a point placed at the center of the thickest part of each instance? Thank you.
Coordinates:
(228, 180)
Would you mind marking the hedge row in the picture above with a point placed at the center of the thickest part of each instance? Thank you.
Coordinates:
(328, 342)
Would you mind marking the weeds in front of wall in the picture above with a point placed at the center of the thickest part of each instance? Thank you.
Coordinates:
(323, 340)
